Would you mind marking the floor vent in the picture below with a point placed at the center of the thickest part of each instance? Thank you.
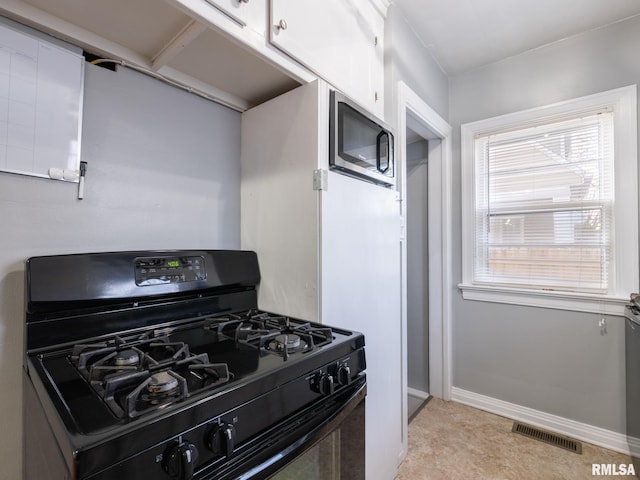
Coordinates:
(547, 437)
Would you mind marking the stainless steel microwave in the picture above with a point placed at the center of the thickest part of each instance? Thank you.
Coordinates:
(360, 145)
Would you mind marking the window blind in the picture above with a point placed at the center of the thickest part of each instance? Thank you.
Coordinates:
(544, 205)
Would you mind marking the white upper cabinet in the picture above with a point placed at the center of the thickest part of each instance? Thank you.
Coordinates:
(246, 13)
(340, 40)
(229, 50)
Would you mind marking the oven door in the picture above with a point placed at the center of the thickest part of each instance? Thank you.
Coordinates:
(325, 442)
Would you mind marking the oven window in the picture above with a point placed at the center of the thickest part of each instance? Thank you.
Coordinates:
(339, 455)
(321, 462)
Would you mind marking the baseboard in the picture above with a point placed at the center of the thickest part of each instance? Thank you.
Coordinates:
(564, 426)
(415, 393)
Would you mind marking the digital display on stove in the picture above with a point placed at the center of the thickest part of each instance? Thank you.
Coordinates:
(166, 270)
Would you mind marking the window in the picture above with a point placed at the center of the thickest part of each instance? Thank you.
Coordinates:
(543, 198)
(550, 205)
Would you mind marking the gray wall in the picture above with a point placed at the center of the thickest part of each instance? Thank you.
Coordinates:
(417, 267)
(550, 360)
(163, 172)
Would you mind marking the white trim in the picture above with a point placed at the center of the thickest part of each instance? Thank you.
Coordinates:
(419, 394)
(431, 126)
(382, 6)
(177, 44)
(575, 302)
(401, 152)
(580, 431)
(625, 271)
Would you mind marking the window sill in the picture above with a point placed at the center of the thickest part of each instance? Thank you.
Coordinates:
(577, 302)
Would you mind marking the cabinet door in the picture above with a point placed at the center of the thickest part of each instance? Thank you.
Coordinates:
(340, 40)
(246, 13)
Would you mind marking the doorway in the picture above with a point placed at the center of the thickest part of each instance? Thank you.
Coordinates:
(417, 278)
(417, 122)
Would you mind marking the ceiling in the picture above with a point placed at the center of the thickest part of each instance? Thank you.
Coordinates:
(466, 34)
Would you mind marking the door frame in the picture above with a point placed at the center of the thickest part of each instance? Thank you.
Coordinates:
(412, 111)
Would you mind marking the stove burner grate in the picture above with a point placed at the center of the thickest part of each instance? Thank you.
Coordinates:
(133, 393)
(135, 374)
(275, 334)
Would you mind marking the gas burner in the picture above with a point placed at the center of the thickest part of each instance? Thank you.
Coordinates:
(126, 358)
(288, 342)
(162, 383)
(156, 389)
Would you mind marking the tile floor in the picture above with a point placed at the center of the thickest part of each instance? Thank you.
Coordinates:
(450, 441)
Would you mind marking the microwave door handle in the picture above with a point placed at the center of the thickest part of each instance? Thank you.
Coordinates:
(378, 152)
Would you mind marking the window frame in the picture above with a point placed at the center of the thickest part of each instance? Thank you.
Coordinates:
(624, 261)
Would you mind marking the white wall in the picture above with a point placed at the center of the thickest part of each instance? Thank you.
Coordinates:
(163, 173)
(550, 360)
(407, 59)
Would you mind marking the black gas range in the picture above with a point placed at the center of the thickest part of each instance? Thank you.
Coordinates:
(159, 364)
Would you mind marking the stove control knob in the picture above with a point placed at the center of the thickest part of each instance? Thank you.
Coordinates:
(324, 384)
(220, 439)
(343, 375)
(180, 459)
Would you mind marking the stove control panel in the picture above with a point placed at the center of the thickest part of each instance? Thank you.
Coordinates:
(326, 381)
(165, 270)
(180, 459)
(220, 439)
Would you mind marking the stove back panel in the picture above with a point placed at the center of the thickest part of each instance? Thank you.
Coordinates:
(54, 281)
